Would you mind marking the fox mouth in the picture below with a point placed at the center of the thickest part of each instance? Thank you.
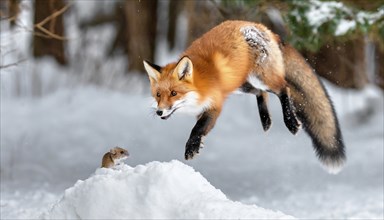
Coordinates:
(166, 117)
(172, 110)
(169, 115)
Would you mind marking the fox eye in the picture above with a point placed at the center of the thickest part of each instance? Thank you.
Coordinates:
(173, 93)
(158, 94)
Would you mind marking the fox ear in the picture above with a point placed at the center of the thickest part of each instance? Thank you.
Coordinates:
(184, 68)
(153, 70)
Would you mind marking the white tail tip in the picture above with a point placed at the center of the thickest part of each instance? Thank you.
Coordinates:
(333, 166)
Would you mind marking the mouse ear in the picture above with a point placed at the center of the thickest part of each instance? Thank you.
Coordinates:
(113, 151)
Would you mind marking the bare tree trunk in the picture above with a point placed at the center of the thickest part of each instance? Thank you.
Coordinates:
(175, 7)
(121, 40)
(379, 73)
(43, 44)
(141, 17)
(202, 16)
(10, 10)
(342, 63)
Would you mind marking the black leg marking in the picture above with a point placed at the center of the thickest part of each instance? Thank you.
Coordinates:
(290, 118)
(263, 112)
(248, 88)
(261, 103)
(199, 130)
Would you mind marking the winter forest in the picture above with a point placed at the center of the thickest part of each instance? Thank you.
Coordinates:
(73, 86)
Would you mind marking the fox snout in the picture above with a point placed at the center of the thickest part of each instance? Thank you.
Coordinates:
(165, 113)
(159, 112)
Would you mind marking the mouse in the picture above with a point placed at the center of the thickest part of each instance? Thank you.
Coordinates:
(114, 157)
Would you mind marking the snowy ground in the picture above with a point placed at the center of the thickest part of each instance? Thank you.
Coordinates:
(167, 190)
(51, 142)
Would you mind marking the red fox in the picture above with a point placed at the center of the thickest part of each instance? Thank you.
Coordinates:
(247, 57)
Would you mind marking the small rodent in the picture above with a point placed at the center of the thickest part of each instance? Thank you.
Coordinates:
(114, 157)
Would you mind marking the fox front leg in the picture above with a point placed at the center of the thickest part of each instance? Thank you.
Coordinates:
(203, 125)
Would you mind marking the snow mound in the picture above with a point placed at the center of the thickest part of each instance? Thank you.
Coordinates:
(168, 190)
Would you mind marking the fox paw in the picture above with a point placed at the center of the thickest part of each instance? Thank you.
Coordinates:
(293, 124)
(192, 148)
(266, 121)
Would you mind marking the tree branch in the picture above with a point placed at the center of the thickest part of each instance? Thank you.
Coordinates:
(47, 33)
(54, 15)
(12, 64)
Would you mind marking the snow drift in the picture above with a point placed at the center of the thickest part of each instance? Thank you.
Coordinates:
(169, 190)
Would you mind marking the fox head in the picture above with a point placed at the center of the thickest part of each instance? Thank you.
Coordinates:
(172, 87)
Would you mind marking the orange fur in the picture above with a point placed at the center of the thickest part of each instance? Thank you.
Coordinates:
(222, 61)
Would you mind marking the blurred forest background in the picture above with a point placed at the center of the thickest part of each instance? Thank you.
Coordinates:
(73, 86)
(342, 40)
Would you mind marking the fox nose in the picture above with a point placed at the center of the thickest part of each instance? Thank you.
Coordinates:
(159, 112)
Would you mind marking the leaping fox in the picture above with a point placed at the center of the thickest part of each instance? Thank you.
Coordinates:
(247, 57)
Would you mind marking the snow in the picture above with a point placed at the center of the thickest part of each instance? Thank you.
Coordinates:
(370, 18)
(344, 17)
(321, 12)
(168, 190)
(344, 26)
(256, 40)
(51, 142)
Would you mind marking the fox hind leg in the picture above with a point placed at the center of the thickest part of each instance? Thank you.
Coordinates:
(290, 118)
(262, 101)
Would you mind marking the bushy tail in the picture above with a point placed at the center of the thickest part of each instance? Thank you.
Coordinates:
(315, 110)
